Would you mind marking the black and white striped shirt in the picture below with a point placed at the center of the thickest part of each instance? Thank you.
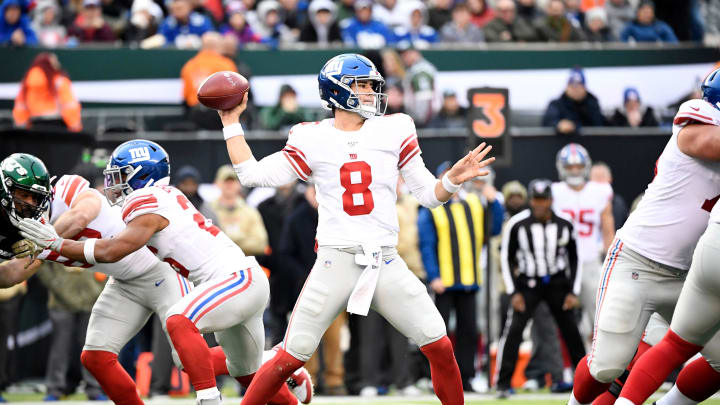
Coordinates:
(537, 251)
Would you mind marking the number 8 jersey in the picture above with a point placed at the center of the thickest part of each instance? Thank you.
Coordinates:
(355, 175)
(191, 244)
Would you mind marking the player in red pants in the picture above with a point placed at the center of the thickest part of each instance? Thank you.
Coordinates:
(354, 160)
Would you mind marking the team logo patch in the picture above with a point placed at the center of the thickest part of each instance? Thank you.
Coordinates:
(328, 264)
(139, 154)
(635, 276)
(353, 156)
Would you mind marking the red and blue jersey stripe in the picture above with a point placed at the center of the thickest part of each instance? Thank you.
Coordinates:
(217, 294)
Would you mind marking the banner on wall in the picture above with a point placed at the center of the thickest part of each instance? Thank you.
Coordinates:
(489, 121)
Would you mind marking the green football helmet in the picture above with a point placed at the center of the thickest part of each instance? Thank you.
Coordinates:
(25, 191)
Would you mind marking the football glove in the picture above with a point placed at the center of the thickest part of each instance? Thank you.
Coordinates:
(43, 235)
(25, 248)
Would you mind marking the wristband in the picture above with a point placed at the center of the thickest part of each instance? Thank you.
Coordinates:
(233, 130)
(449, 186)
(89, 251)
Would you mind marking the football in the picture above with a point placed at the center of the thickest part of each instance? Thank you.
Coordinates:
(223, 90)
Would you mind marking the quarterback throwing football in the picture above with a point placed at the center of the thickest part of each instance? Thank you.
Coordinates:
(354, 160)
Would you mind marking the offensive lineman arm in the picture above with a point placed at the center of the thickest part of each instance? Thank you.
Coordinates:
(700, 141)
(133, 237)
(607, 226)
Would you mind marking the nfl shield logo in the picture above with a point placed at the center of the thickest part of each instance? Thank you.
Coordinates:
(635, 276)
(328, 263)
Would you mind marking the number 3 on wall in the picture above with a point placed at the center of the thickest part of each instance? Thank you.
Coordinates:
(492, 105)
(355, 177)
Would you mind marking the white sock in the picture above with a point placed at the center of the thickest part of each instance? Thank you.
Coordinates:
(208, 393)
(623, 401)
(573, 400)
(675, 397)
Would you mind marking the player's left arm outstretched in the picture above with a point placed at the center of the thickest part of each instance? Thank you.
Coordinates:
(135, 235)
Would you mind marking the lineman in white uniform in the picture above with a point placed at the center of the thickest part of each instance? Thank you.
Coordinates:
(588, 205)
(354, 161)
(647, 263)
(696, 320)
(231, 290)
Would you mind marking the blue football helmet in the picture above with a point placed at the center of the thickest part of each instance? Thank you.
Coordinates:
(711, 88)
(133, 165)
(335, 84)
(573, 154)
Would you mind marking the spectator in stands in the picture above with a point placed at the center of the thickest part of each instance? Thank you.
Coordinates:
(72, 294)
(461, 29)
(184, 27)
(440, 13)
(508, 26)
(270, 26)
(298, 247)
(556, 27)
(294, 14)
(395, 99)
(242, 223)
(646, 28)
(187, 180)
(710, 11)
(15, 28)
(145, 19)
(575, 108)
(363, 31)
(515, 196)
(346, 9)
(601, 173)
(46, 98)
(529, 11)
(414, 30)
(90, 25)
(393, 67)
(574, 13)
(211, 9)
(419, 86)
(481, 13)
(46, 24)
(115, 13)
(206, 62)
(390, 13)
(322, 27)
(596, 29)
(451, 114)
(10, 301)
(237, 25)
(631, 115)
(285, 113)
(619, 14)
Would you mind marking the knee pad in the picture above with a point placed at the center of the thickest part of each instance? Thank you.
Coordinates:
(620, 310)
(301, 346)
(605, 372)
(94, 359)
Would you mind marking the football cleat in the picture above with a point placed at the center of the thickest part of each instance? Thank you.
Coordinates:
(300, 384)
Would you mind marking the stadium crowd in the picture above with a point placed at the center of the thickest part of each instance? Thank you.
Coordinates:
(354, 23)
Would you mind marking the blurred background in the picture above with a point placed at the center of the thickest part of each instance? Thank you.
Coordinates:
(78, 77)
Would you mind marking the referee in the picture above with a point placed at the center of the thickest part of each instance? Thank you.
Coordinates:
(539, 263)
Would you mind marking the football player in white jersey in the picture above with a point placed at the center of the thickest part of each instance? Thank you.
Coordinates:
(230, 292)
(588, 204)
(648, 261)
(696, 320)
(354, 160)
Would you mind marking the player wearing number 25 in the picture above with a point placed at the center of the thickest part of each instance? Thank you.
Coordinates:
(647, 263)
(354, 160)
(231, 290)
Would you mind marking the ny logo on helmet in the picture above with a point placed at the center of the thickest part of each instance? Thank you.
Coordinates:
(139, 154)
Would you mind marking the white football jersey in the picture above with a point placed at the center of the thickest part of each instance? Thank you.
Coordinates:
(583, 208)
(191, 244)
(355, 175)
(107, 224)
(675, 209)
